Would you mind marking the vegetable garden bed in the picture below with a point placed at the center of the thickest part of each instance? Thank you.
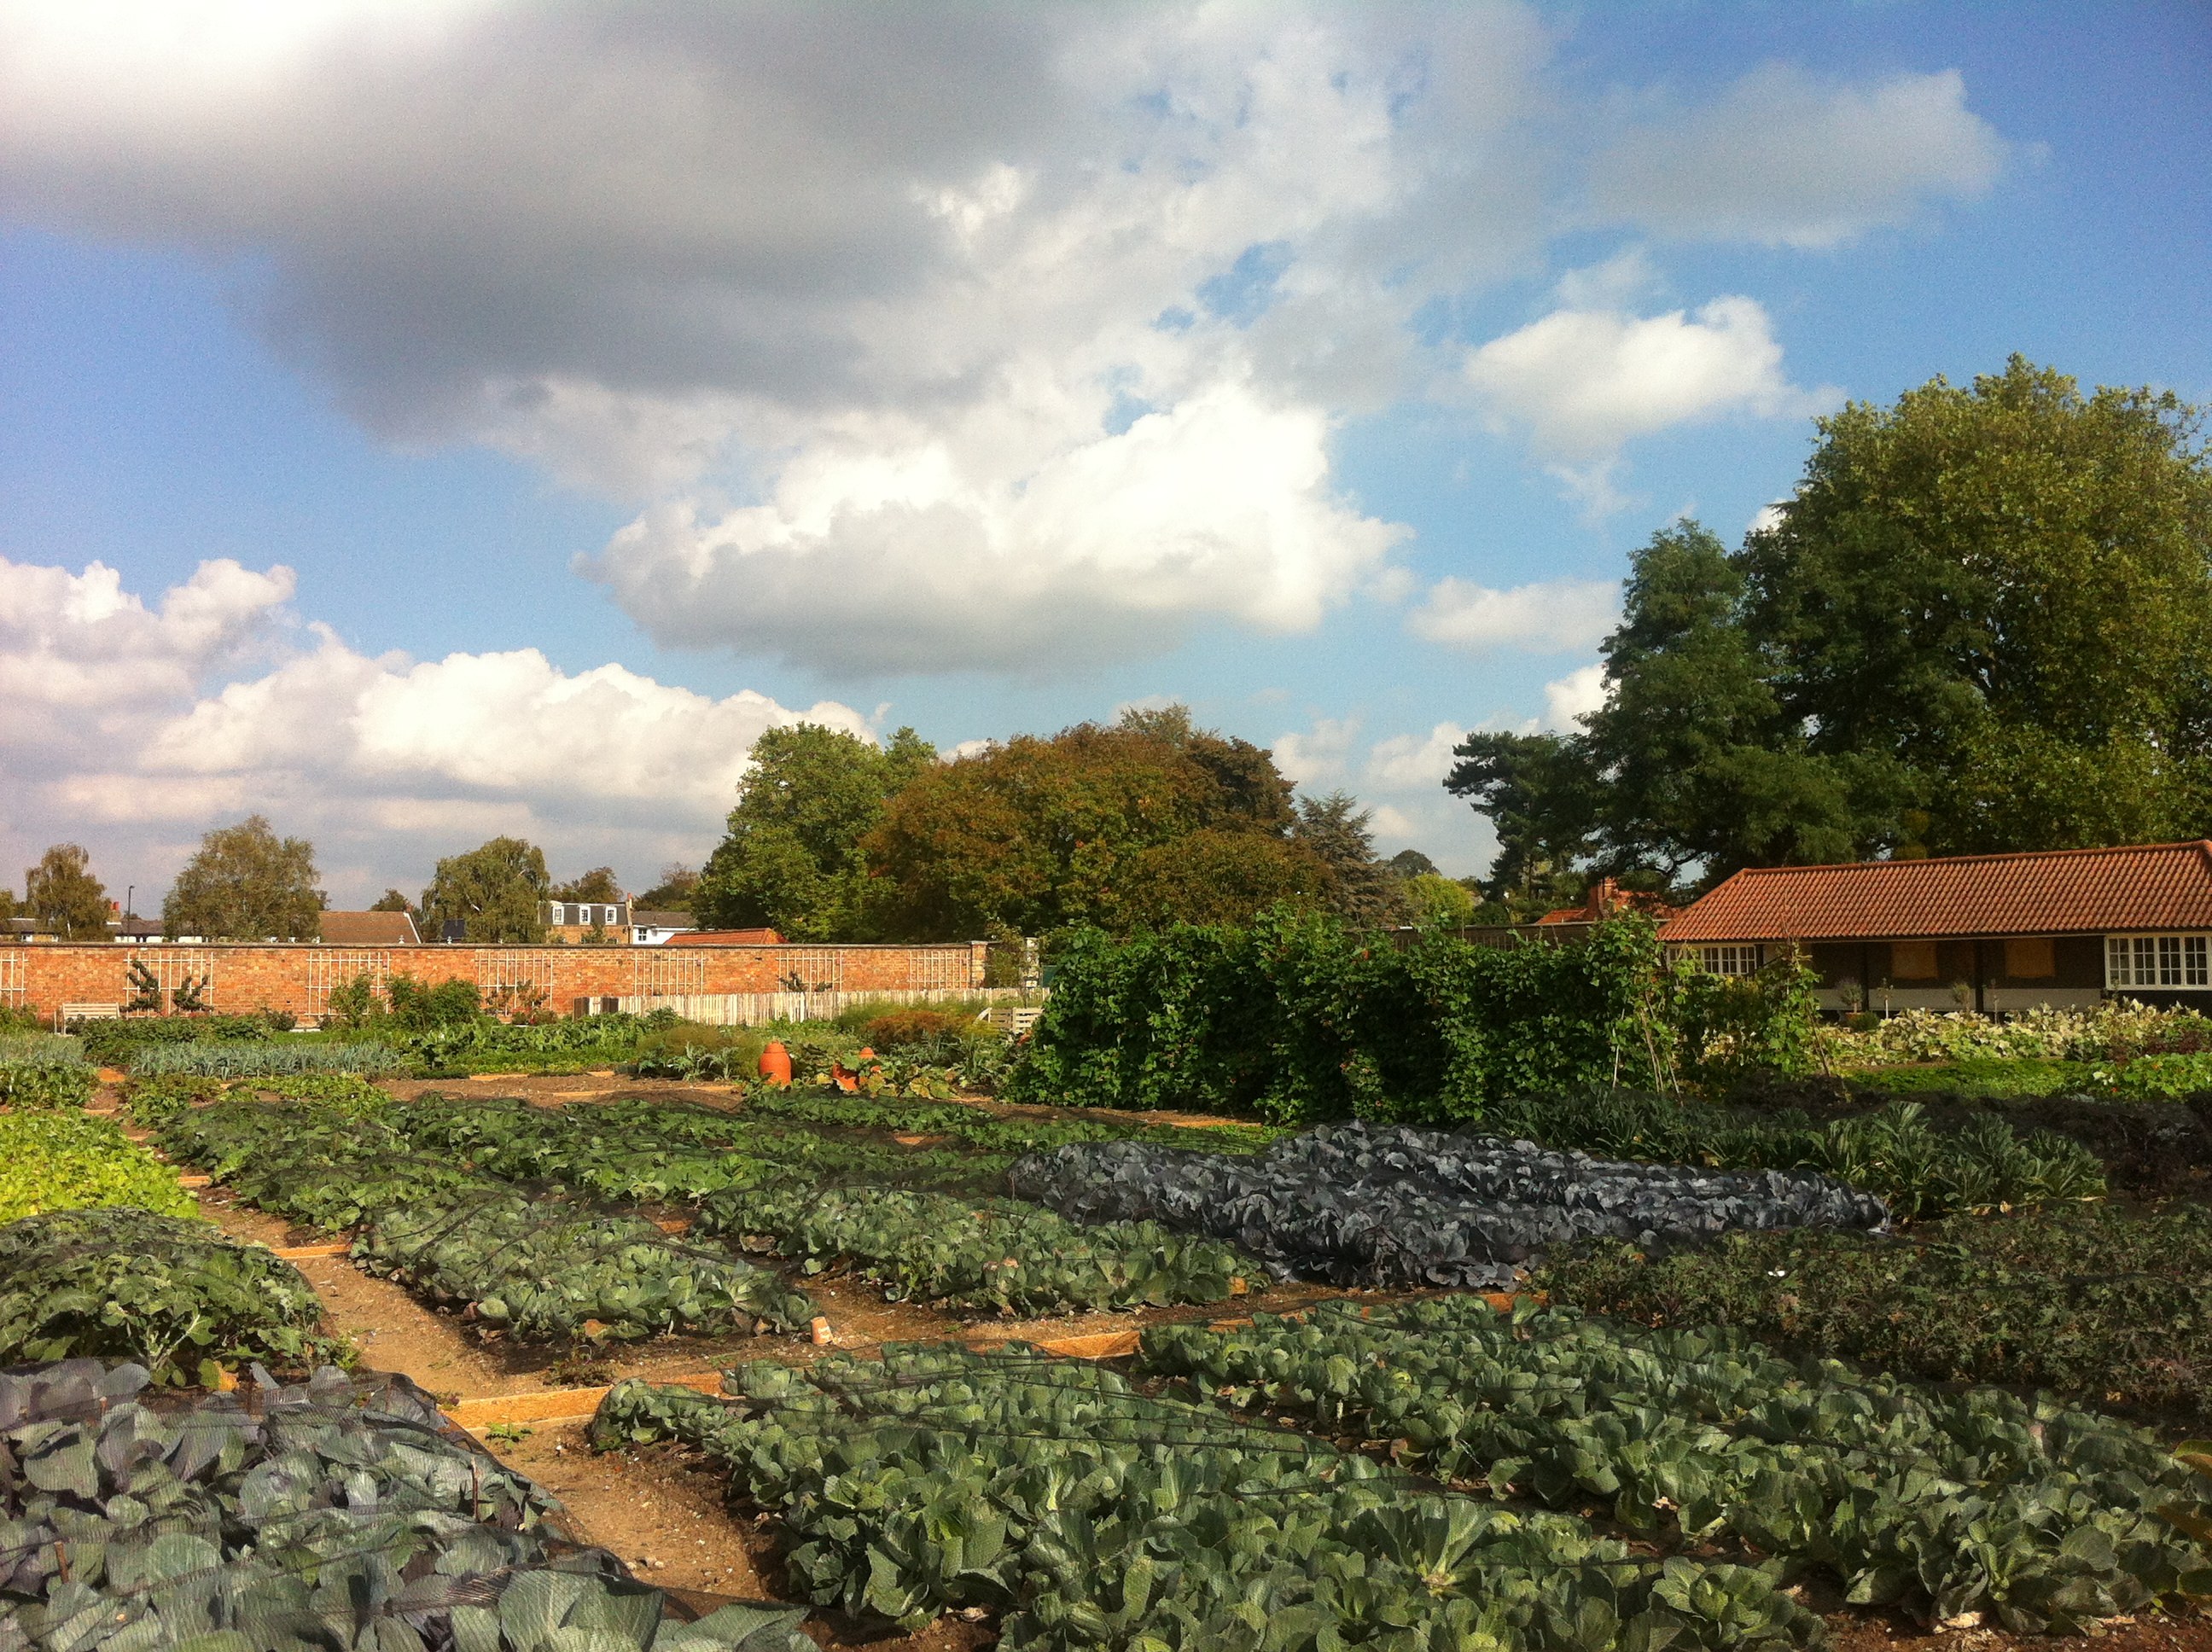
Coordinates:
(1383, 1205)
(2040, 1517)
(335, 1513)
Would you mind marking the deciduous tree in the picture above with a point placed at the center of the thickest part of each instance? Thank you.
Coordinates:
(792, 858)
(1036, 836)
(596, 885)
(245, 883)
(61, 895)
(1984, 622)
(493, 892)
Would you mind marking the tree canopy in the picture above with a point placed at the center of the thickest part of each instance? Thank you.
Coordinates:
(493, 892)
(245, 884)
(792, 857)
(391, 901)
(596, 885)
(1983, 622)
(60, 894)
(677, 886)
(1037, 834)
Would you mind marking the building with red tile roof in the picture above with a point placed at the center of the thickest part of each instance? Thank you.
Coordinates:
(369, 929)
(1990, 932)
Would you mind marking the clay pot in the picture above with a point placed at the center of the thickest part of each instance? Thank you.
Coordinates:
(775, 1063)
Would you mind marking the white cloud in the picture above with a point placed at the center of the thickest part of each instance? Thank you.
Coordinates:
(1585, 381)
(1410, 761)
(121, 719)
(1787, 159)
(858, 303)
(1544, 618)
(1318, 759)
(1574, 696)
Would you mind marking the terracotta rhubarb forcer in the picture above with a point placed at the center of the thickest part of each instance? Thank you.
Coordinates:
(775, 1063)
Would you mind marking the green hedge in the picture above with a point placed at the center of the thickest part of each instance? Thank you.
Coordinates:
(1296, 1018)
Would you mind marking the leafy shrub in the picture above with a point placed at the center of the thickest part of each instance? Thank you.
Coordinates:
(339, 1514)
(73, 1161)
(1295, 1019)
(1006, 1256)
(178, 1297)
(2109, 1032)
(2111, 1307)
(1094, 1516)
(2043, 1518)
(230, 1060)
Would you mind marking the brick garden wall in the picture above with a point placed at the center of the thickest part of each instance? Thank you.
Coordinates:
(298, 977)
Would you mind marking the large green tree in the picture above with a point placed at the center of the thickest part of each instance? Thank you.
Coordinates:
(792, 857)
(61, 896)
(1983, 622)
(245, 883)
(1362, 889)
(598, 885)
(493, 892)
(1035, 835)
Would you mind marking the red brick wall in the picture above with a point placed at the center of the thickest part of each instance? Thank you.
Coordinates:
(298, 977)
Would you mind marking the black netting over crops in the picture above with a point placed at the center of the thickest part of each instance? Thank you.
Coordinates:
(1386, 1204)
(342, 1513)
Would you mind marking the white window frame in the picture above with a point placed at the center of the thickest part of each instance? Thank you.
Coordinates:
(1730, 959)
(2158, 963)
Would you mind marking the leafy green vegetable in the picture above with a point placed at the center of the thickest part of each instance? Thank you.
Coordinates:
(542, 1269)
(534, 1265)
(332, 1515)
(178, 1297)
(1094, 1516)
(1000, 1255)
(2039, 1516)
(44, 1082)
(2110, 1305)
(70, 1161)
(229, 1059)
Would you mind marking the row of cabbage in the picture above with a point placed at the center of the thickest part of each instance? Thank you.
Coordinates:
(1088, 1514)
(1382, 1205)
(528, 1216)
(540, 1264)
(1966, 1506)
(327, 1515)
(2108, 1303)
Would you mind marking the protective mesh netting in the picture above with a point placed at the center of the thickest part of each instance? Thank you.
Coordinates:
(1388, 1205)
(341, 1513)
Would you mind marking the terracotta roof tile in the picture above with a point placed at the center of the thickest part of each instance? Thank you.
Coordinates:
(2056, 892)
(369, 929)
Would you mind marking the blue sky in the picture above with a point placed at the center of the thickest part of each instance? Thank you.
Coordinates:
(1434, 321)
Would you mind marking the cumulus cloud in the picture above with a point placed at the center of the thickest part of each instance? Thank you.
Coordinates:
(1028, 325)
(1410, 761)
(1790, 161)
(997, 336)
(1573, 697)
(391, 760)
(1585, 381)
(1318, 758)
(1544, 618)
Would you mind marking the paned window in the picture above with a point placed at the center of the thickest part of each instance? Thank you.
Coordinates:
(1730, 960)
(2140, 961)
